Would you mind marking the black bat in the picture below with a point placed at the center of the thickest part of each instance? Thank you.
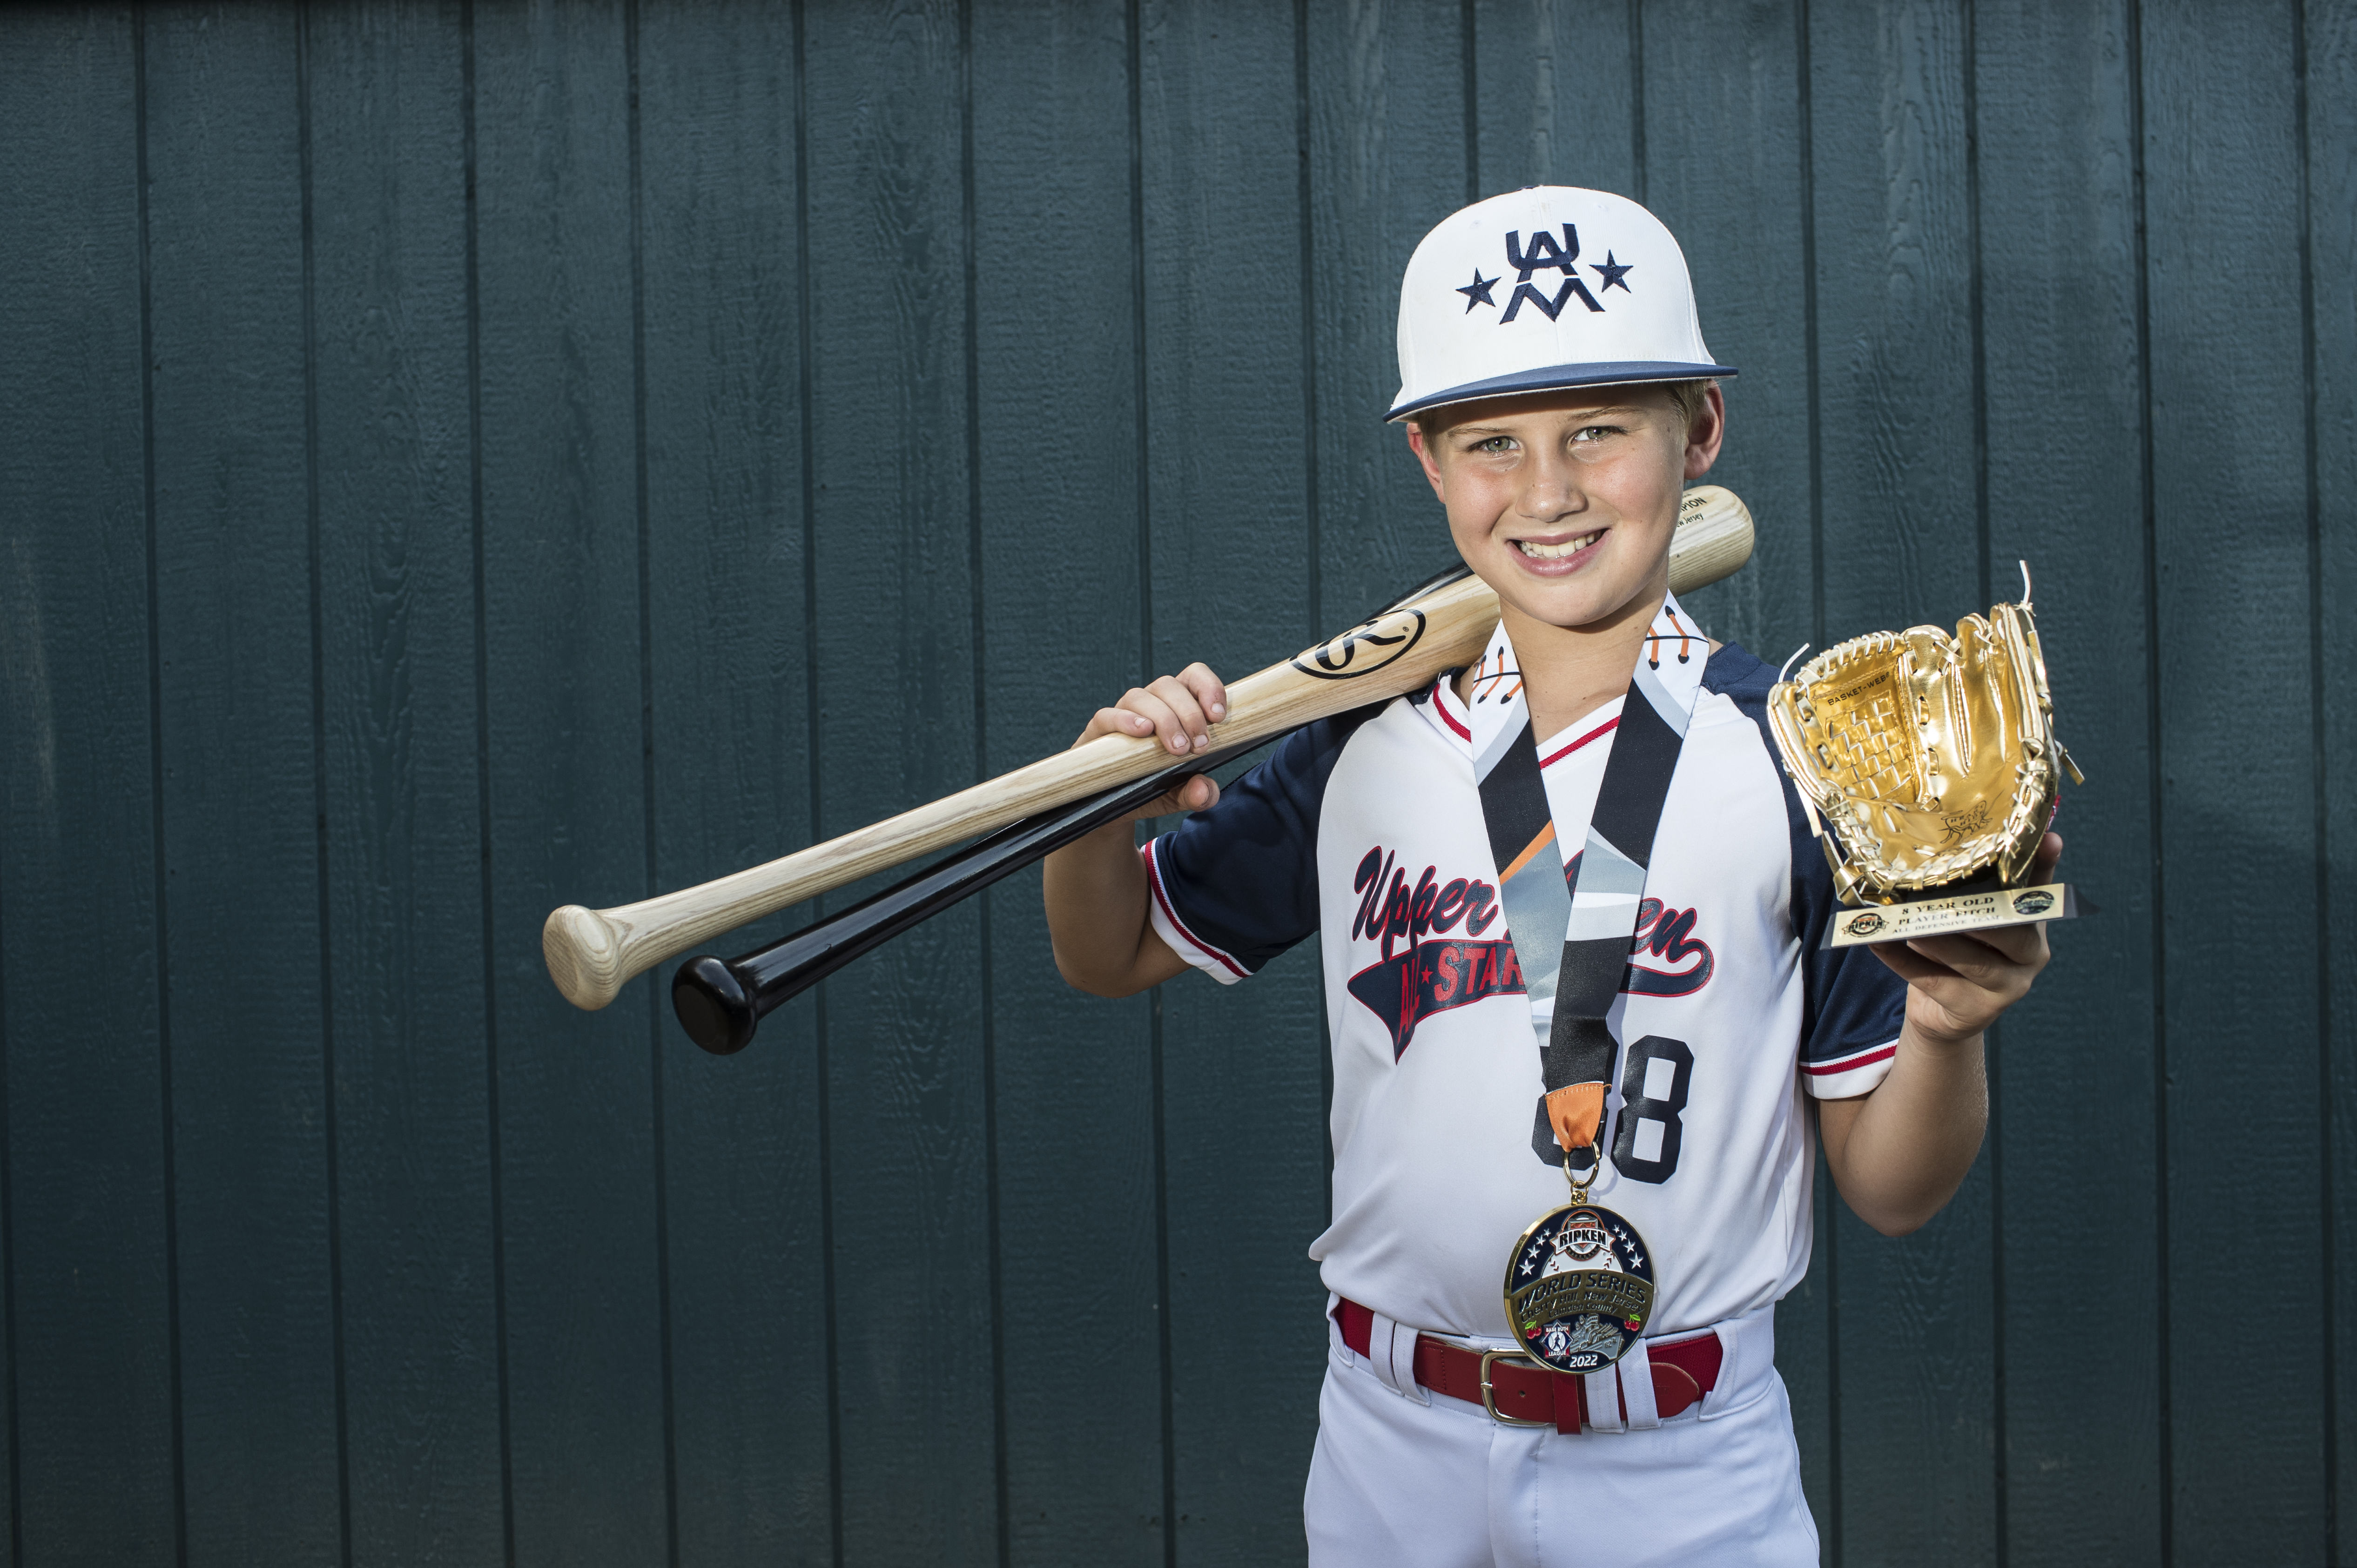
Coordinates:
(720, 1003)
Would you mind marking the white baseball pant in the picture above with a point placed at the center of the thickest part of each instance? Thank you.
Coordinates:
(1424, 1480)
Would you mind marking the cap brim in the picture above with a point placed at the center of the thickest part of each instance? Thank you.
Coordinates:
(1556, 378)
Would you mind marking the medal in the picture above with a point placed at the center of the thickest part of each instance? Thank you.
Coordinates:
(1579, 1284)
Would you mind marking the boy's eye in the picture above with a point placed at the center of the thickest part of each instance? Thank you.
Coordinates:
(1495, 443)
(1591, 434)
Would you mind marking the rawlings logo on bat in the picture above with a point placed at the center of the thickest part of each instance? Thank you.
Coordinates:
(1365, 648)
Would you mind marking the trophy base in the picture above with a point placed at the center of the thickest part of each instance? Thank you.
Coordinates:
(1978, 911)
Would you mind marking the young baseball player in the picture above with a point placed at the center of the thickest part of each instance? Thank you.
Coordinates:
(1570, 914)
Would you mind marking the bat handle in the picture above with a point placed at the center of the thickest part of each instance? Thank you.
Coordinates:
(720, 1004)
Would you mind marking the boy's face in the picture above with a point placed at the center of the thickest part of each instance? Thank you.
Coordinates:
(1564, 502)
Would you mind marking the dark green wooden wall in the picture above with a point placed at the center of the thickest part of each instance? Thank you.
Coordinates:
(456, 460)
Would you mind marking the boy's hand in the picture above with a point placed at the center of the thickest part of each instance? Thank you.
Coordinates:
(1180, 709)
(1957, 985)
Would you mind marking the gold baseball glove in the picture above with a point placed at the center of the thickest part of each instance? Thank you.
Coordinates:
(1931, 758)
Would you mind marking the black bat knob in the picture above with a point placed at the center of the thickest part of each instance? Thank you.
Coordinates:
(713, 1007)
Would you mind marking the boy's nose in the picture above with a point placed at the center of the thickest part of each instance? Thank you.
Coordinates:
(1551, 492)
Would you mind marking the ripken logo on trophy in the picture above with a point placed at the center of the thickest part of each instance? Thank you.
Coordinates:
(1545, 256)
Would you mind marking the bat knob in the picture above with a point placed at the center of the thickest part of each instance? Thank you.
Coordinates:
(714, 1006)
(584, 956)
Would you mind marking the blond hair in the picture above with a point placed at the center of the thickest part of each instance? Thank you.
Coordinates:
(1687, 397)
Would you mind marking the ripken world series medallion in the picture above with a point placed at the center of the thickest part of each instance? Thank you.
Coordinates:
(1579, 1287)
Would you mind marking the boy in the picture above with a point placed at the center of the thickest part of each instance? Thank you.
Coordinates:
(1559, 403)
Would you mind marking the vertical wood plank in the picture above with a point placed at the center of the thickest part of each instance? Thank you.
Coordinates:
(894, 512)
(1898, 452)
(561, 591)
(385, 86)
(1894, 240)
(2221, 167)
(732, 726)
(1057, 273)
(2072, 1082)
(234, 619)
(1388, 160)
(2331, 202)
(86, 1183)
(1556, 96)
(732, 766)
(1231, 461)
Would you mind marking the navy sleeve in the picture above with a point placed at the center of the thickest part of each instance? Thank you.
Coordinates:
(1854, 1005)
(1237, 885)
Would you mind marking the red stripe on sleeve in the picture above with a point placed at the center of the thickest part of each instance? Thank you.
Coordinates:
(1846, 1064)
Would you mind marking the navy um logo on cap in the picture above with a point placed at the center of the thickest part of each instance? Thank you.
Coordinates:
(1544, 253)
(1522, 253)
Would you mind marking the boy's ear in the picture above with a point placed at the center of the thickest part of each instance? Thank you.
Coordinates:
(1424, 454)
(1705, 432)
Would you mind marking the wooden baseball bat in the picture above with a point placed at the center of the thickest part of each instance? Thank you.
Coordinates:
(592, 953)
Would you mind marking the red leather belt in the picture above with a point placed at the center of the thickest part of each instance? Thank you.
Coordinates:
(1520, 1391)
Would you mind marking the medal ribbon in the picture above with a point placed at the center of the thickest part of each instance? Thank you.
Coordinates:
(1572, 933)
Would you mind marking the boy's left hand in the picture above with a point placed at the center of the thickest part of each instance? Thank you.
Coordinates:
(1958, 984)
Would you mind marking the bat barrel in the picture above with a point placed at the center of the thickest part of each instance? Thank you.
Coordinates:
(721, 1004)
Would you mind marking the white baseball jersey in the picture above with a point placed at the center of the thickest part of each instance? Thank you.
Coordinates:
(1367, 830)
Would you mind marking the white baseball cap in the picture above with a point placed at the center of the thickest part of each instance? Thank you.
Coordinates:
(1546, 286)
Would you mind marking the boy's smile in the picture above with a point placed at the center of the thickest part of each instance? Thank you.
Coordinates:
(1564, 502)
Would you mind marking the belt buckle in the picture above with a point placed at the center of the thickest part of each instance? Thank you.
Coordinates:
(1488, 1395)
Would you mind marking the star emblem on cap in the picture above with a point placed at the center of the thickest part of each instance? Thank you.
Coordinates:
(1478, 291)
(1612, 272)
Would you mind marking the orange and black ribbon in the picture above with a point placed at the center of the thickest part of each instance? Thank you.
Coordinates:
(1589, 906)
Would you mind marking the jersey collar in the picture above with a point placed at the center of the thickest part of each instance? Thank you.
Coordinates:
(1493, 713)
